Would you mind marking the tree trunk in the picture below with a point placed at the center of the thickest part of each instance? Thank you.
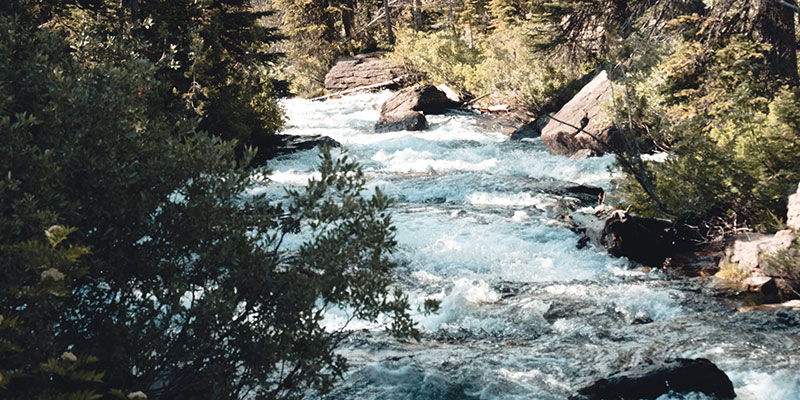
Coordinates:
(329, 21)
(775, 23)
(348, 18)
(388, 13)
(416, 11)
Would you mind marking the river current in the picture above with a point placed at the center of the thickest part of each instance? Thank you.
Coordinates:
(524, 313)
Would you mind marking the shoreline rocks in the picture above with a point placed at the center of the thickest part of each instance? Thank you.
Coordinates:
(652, 381)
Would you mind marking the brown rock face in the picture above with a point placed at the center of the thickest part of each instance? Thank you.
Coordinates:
(583, 111)
(406, 109)
(361, 70)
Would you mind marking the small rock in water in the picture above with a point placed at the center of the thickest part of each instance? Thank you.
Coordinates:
(652, 381)
(763, 285)
(406, 109)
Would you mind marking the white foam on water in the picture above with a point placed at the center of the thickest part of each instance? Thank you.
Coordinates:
(631, 300)
(412, 161)
(488, 246)
(782, 384)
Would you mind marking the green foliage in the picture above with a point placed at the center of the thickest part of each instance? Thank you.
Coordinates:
(39, 276)
(733, 143)
(787, 263)
(190, 290)
(212, 58)
(442, 56)
(502, 64)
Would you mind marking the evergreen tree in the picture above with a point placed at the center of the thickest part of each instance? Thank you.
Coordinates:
(187, 290)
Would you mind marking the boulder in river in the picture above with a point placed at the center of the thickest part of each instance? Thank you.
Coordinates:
(652, 381)
(402, 121)
(362, 70)
(277, 145)
(645, 240)
(562, 134)
(406, 109)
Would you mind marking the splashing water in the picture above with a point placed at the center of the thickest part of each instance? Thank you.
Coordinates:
(524, 313)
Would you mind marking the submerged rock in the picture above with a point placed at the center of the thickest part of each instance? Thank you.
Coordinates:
(584, 110)
(652, 381)
(402, 121)
(406, 110)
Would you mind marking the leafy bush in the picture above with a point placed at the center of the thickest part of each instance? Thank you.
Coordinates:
(442, 56)
(503, 65)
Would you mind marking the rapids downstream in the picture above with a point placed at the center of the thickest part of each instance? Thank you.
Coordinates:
(524, 314)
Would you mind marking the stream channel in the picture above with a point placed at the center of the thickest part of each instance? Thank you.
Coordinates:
(524, 313)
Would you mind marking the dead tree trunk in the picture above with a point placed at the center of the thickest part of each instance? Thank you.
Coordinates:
(416, 12)
(775, 24)
(348, 18)
(387, 11)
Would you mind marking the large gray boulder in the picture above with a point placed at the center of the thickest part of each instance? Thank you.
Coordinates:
(406, 109)
(583, 111)
(361, 70)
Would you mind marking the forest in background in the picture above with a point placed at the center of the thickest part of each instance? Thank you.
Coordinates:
(713, 83)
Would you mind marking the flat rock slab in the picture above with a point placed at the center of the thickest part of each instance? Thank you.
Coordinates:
(361, 70)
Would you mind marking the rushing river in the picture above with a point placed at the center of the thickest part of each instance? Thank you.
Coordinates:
(524, 314)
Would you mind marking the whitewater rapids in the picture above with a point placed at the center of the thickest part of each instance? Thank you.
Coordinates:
(524, 314)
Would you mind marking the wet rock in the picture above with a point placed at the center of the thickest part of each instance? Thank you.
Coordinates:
(590, 195)
(361, 70)
(277, 145)
(652, 381)
(584, 111)
(405, 121)
(425, 98)
(793, 211)
(693, 263)
(645, 240)
(406, 110)
(531, 129)
(763, 285)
